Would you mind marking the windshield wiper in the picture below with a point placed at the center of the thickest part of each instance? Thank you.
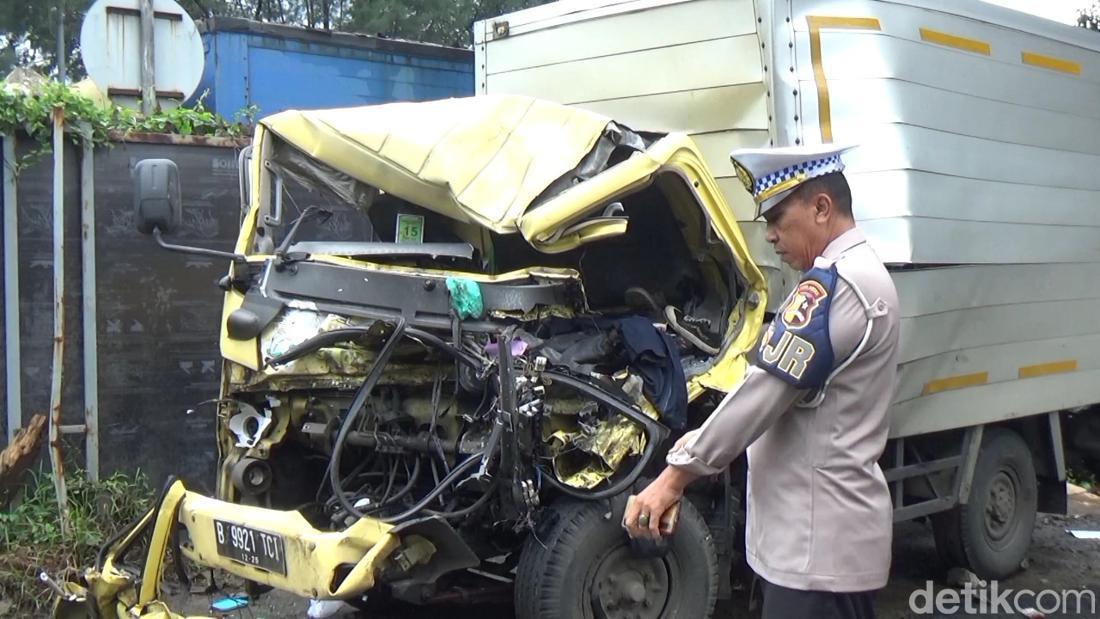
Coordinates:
(283, 253)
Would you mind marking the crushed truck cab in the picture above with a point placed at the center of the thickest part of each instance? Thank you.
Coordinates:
(445, 322)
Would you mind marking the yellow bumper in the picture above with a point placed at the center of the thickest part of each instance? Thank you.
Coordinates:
(318, 564)
(315, 560)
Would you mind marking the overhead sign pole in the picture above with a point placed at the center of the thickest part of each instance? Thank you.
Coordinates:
(61, 47)
(148, 69)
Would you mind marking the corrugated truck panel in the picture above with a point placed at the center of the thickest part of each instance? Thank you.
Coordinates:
(622, 75)
(277, 68)
(663, 26)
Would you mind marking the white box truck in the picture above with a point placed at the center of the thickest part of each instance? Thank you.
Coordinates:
(978, 135)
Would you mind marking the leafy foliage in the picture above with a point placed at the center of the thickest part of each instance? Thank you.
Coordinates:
(31, 114)
(31, 540)
(1084, 478)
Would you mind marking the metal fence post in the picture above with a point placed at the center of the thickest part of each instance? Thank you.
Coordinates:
(58, 316)
(88, 279)
(13, 360)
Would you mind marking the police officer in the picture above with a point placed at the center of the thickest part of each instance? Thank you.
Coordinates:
(812, 409)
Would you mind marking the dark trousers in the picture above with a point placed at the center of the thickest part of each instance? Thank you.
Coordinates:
(784, 603)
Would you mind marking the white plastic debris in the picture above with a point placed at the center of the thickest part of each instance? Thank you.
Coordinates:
(1080, 534)
(249, 425)
(960, 577)
(321, 609)
(288, 330)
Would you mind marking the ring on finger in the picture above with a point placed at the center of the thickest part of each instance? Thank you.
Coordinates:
(643, 520)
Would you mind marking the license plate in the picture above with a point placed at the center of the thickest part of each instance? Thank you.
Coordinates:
(264, 550)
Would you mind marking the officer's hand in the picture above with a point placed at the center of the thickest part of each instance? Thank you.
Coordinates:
(652, 503)
(680, 442)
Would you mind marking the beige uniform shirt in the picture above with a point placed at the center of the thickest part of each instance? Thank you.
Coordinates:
(819, 513)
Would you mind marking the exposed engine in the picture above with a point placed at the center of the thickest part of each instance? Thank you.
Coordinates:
(549, 374)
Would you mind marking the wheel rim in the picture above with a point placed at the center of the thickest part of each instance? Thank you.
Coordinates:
(626, 586)
(1000, 509)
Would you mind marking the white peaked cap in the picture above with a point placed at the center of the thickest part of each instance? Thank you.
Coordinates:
(771, 174)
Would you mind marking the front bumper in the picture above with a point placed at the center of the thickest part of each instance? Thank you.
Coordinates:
(318, 564)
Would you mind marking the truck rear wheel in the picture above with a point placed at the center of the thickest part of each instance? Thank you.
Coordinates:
(578, 564)
(991, 534)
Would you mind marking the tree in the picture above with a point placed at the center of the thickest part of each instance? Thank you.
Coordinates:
(447, 22)
(1089, 18)
(28, 30)
(28, 34)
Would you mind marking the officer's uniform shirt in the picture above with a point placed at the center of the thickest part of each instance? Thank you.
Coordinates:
(819, 512)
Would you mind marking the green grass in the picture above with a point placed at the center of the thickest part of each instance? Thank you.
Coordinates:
(31, 538)
(1084, 478)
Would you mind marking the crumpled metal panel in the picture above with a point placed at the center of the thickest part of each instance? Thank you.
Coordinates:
(602, 448)
(480, 159)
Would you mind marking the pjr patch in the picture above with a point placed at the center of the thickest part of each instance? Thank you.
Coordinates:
(807, 297)
(796, 347)
(788, 353)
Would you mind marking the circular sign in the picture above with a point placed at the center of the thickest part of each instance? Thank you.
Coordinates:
(110, 43)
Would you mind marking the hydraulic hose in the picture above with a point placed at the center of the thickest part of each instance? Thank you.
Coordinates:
(466, 511)
(466, 465)
(357, 405)
(405, 490)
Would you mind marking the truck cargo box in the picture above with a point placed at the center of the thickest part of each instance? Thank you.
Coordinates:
(977, 125)
(277, 68)
(974, 179)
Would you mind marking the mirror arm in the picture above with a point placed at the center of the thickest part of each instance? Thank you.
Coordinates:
(198, 251)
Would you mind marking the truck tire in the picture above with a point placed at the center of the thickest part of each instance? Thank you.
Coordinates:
(578, 564)
(991, 534)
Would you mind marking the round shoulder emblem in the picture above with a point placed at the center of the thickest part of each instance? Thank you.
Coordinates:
(800, 309)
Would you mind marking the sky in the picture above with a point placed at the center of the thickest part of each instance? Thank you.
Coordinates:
(1064, 11)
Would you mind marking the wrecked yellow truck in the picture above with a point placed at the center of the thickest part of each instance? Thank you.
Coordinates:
(450, 353)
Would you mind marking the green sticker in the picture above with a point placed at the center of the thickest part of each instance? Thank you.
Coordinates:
(410, 229)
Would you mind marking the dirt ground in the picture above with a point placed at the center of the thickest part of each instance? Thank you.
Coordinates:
(1058, 561)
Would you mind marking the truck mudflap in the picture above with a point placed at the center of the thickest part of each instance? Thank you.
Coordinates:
(272, 547)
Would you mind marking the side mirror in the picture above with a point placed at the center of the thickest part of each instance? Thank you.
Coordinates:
(156, 195)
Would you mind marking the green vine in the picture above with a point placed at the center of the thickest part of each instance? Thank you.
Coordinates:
(29, 113)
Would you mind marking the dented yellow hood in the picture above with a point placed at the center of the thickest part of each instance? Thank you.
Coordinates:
(485, 160)
(477, 159)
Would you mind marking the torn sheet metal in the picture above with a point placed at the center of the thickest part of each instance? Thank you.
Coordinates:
(585, 457)
(479, 159)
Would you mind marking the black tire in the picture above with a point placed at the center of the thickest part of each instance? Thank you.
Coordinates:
(991, 534)
(578, 564)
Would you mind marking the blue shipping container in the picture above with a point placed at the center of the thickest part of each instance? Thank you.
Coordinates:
(278, 68)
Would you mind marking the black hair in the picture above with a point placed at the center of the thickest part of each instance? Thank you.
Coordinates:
(835, 185)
